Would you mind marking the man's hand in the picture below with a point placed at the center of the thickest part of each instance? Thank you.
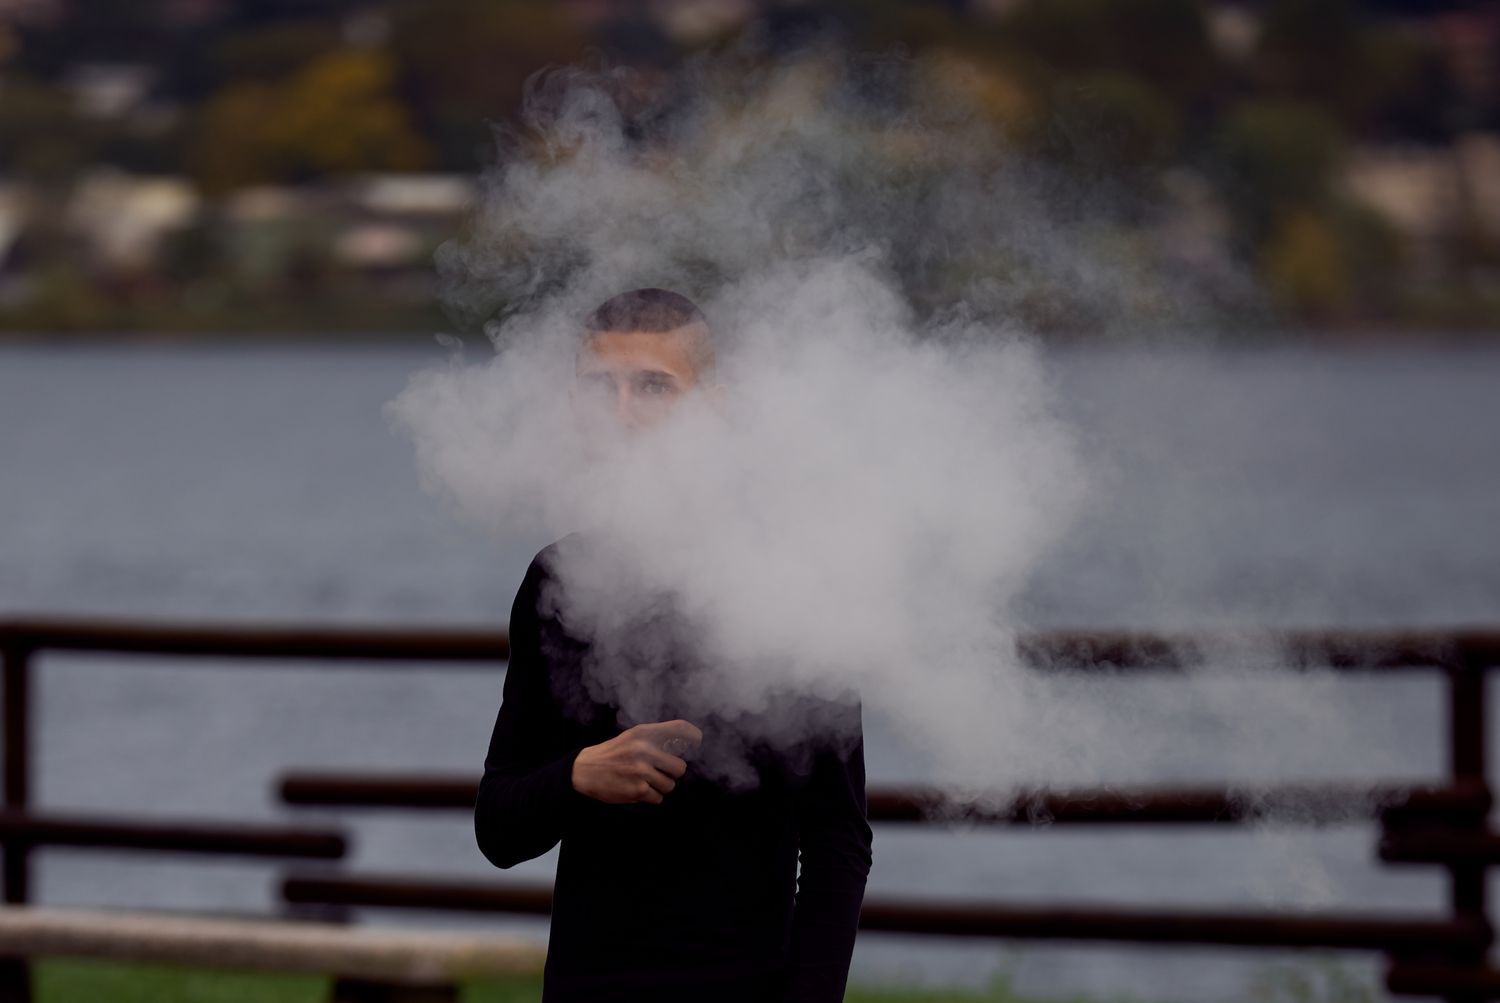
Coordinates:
(636, 765)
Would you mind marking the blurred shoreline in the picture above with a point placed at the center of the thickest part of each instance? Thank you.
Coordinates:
(1332, 169)
(440, 337)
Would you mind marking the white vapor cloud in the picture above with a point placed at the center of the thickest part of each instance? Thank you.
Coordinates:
(863, 507)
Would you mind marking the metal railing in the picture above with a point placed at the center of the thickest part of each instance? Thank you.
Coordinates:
(1429, 954)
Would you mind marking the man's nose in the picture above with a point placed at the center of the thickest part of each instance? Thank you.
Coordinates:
(624, 405)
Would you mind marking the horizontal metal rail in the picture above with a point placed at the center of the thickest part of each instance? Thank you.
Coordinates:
(1338, 649)
(1480, 847)
(1083, 923)
(1373, 649)
(50, 828)
(377, 644)
(1307, 804)
(1432, 979)
(1445, 824)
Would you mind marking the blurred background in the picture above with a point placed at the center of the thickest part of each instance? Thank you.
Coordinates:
(192, 165)
(218, 223)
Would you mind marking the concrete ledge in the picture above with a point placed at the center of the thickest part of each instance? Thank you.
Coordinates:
(374, 954)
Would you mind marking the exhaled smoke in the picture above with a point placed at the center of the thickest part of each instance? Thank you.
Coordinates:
(861, 507)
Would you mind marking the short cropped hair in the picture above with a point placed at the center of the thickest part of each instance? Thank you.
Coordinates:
(655, 311)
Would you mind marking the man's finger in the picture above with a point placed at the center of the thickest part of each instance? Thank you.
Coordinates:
(669, 764)
(676, 745)
(659, 781)
(679, 728)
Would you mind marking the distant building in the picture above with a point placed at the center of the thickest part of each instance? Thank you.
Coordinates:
(1413, 187)
(692, 21)
(413, 194)
(1234, 30)
(1432, 193)
(108, 90)
(124, 217)
(15, 211)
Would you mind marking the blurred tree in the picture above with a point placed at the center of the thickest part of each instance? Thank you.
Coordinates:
(1274, 156)
(229, 146)
(274, 51)
(97, 31)
(336, 115)
(1304, 265)
(1310, 49)
(1163, 42)
(341, 115)
(1375, 252)
(42, 137)
(1111, 125)
(1418, 98)
(1337, 262)
(999, 98)
(1363, 71)
(462, 64)
(194, 253)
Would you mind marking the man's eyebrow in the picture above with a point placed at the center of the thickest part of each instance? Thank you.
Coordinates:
(657, 372)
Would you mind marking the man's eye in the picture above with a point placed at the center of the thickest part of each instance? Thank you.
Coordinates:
(656, 387)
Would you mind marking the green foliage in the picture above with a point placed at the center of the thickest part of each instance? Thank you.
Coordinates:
(1112, 123)
(1305, 267)
(1164, 43)
(1309, 980)
(462, 65)
(1328, 53)
(1321, 980)
(520, 990)
(58, 981)
(337, 115)
(1114, 92)
(1275, 154)
(41, 136)
(275, 51)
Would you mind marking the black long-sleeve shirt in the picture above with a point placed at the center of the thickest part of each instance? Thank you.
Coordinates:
(696, 898)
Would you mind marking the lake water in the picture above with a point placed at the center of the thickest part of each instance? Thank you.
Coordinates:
(251, 482)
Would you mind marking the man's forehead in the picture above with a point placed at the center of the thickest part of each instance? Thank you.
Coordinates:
(676, 350)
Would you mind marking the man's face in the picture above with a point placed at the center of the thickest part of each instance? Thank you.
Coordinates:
(633, 378)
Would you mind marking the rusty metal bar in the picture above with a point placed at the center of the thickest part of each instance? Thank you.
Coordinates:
(1409, 978)
(1457, 848)
(1446, 825)
(26, 829)
(259, 641)
(1302, 804)
(1338, 649)
(1311, 804)
(1117, 649)
(1467, 801)
(415, 893)
(1355, 932)
(17, 712)
(378, 790)
(1467, 871)
(15, 860)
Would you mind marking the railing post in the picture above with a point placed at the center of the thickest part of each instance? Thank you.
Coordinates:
(15, 973)
(17, 696)
(1466, 762)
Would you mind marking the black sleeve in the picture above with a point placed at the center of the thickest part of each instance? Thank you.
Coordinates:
(835, 859)
(526, 794)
